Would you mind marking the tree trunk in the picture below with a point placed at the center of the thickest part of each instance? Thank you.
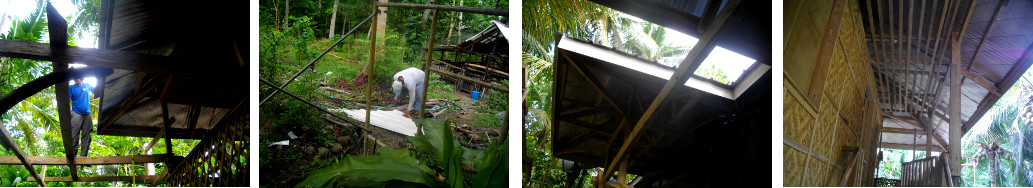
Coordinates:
(993, 168)
(344, 24)
(286, 14)
(333, 20)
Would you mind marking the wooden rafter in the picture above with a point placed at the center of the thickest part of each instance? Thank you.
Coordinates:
(1013, 75)
(723, 22)
(937, 50)
(593, 82)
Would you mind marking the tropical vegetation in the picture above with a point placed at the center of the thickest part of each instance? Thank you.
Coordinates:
(33, 122)
(294, 32)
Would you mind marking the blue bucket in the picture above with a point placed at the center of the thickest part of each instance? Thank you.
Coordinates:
(475, 95)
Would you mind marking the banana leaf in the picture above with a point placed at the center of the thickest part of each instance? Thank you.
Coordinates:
(391, 165)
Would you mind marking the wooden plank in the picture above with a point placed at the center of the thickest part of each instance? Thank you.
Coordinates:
(107, 160)
(7, 142)
(139, 179)
(825, 52)
(683, 73)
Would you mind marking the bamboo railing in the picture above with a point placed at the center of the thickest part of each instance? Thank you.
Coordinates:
(927, 172)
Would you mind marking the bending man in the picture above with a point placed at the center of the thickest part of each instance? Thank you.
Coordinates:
(82, 122)
(411, 79)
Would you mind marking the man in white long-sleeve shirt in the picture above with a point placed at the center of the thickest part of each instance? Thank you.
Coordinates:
(411, 79)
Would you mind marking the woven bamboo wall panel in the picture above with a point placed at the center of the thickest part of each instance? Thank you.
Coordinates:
(834, 177)
(797, 122)
(792, 170)
(220, 159)
(823, 129)
(842, 135)
(837, 76)
(817, 172)
(803, 41)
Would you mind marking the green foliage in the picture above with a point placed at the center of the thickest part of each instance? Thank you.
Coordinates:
(392, 167)
(713, 73)
(493, 170)
(389, 165)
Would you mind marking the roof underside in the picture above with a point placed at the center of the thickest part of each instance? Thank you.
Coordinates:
(911, 59)
(196, 102)
(691, 125)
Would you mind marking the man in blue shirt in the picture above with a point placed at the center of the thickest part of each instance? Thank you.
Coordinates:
(82, 122)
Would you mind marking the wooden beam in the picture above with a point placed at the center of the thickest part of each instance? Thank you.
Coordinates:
(989, 86)
(692, 61)
(825, 51)
(593, 82)
(154, 141)
(484, 11)
(1013, 75)
(901, 130)
(139, 179)
(109, 58)
(904, 146)
(131, 159)
(471, 80)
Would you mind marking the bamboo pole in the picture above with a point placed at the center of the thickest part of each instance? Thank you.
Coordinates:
(426, 66)
(446, 7)
(313, 62)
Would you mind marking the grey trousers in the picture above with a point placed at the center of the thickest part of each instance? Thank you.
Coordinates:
(82, 124)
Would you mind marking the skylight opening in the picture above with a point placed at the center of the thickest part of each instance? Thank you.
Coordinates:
(721, 65)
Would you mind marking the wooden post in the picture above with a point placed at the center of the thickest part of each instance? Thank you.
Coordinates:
(955, 110)
(58, 28)
(369, 66)
(426, 66)
(166, 123)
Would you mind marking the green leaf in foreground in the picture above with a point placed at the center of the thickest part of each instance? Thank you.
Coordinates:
(391, 165)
